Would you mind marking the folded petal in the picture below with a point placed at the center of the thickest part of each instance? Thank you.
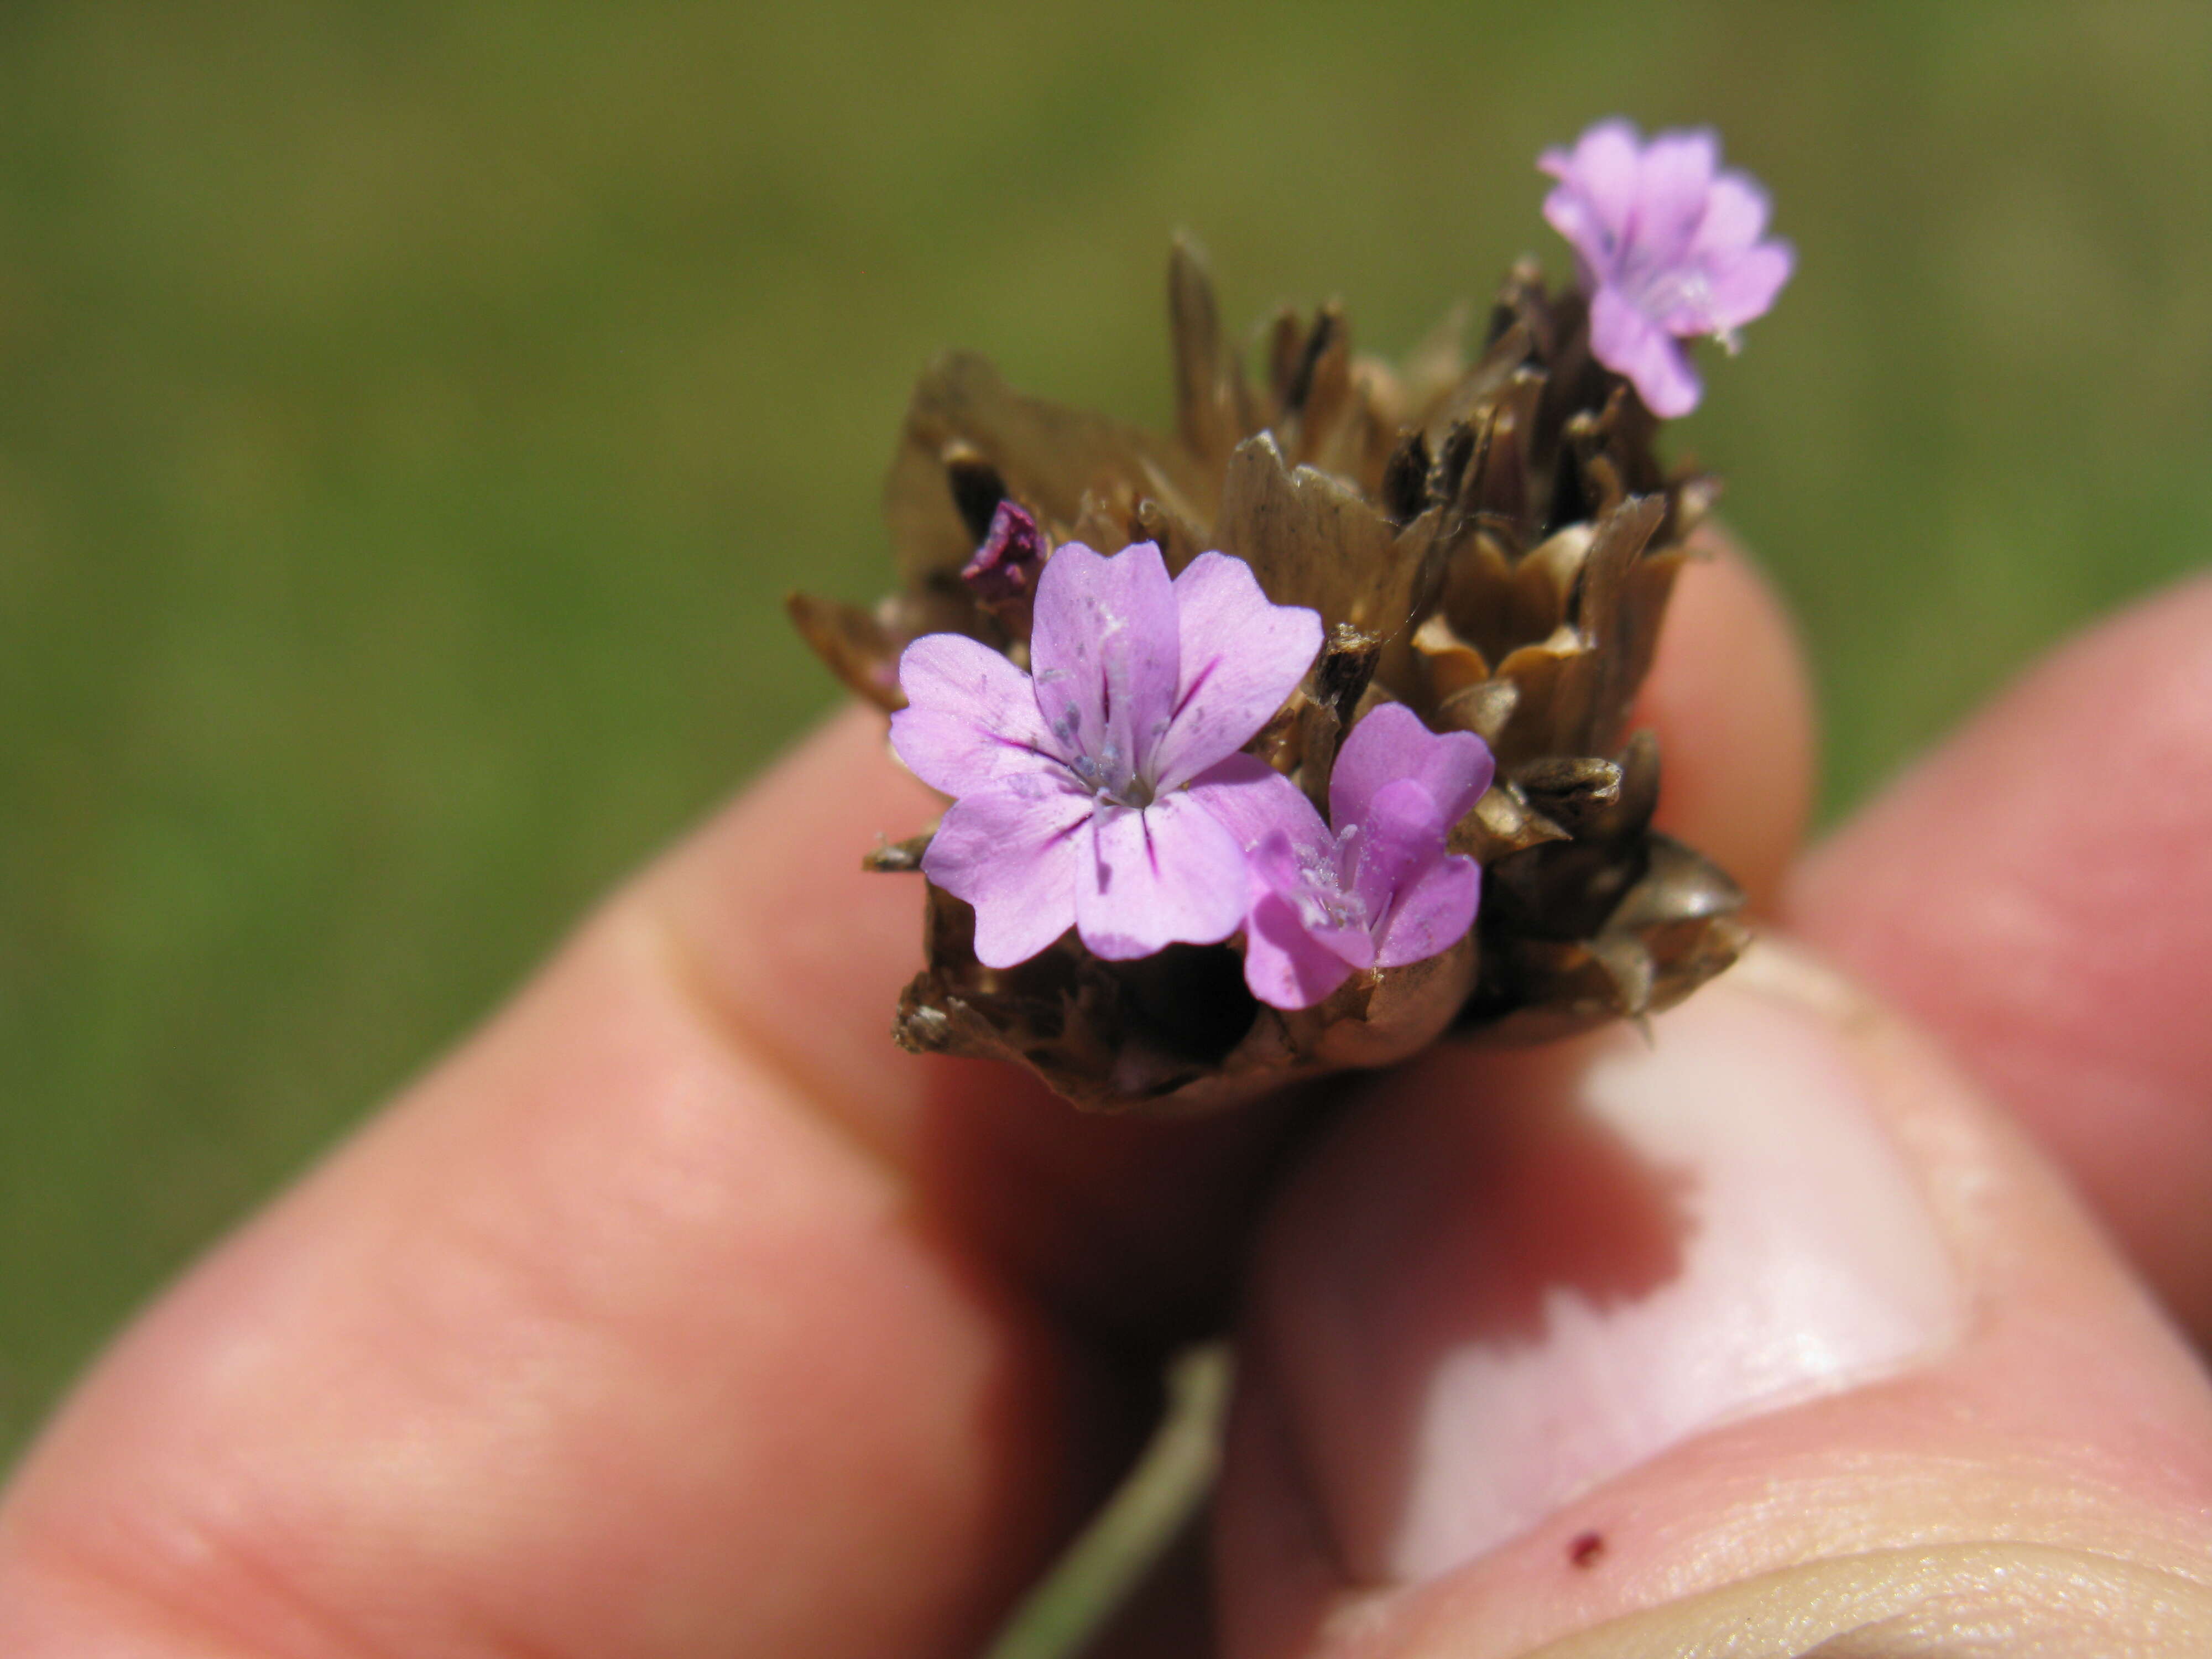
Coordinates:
(1735, 217)
(1241, 656)
(1403, 833)
(1673, 182)
(1632, 345)
(971, 716)
(1431, 914)
(1251, 799)
(1103, 652)
(1014, 850)
(1597, 190)
(1285, 965)
(1309, 887)
(1571, 213)
(1743, 289)
(1168, 874)
(1391, 742)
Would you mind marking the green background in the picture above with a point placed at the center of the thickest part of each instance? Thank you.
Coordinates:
(411, 414)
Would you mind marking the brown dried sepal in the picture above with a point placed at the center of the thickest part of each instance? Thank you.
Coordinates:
(1169, 1035)
(1612, 921)
(858, 648)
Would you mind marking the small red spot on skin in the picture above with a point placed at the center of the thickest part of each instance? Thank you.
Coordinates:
(1586, 1549)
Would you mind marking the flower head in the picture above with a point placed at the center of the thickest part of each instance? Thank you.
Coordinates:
(1380, 890)
(1435, 557)
(1670, 248)
(1081, 790)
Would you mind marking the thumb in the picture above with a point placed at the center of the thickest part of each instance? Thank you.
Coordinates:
(1763, 1337)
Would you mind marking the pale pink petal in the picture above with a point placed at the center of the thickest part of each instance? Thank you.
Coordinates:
(1431, 914)
(1015, 851)
(1743, 289)
(971, 716)
(1632, 345)
(1735, 217)
(1284, 966)
(1309, 887)
(1568, 211)
(1597, 190)
(1401, 834)
(1251, 799)
(1169, 874)
(1241, 657)
(1391, 742)
(1674, 178)
(1104, 653)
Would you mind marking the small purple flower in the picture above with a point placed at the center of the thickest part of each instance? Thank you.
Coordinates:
(1004, 569)
(1082, 793)
(1382, 890)
(1669, 248)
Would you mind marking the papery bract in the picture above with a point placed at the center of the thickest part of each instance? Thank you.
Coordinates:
(1670, 248)
(1081, 790)
(1379, 891)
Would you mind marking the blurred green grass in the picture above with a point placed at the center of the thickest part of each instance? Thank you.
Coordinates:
(409, 416)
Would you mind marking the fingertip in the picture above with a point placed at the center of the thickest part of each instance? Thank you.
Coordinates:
(1541, 1340)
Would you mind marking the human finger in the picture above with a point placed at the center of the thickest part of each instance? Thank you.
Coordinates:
(2035, 892)
(608, 1339)
(669, 1297)
(1767, 1335)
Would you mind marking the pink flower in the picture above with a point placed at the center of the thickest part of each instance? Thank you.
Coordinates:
(1382, 890)
(1082, 793)
(1669, 248)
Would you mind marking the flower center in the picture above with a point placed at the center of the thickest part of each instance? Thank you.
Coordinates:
(1669, 290)
(1327, 897)
(1111, 782)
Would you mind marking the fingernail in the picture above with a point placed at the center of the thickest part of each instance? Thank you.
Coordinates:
(1520, 1275)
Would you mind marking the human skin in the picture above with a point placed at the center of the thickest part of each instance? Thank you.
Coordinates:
(677, 1313)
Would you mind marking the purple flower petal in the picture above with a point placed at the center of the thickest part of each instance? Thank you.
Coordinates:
(1402, 833)
(1391, 742)
(1431, 914)
(1635, 348)
(1105, 656)
(1288, 963)
(1015, 850)
(1673, 181)
(1597, 193)
(1397, 789)
(1242, 656)
(1251, 800)
(1284, 966)
(1735, 217)
(971, 717)
(1167, 874)
(1745, 290)
(1309, 886)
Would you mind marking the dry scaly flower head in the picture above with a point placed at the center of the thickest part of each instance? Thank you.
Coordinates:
(1420, 587)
